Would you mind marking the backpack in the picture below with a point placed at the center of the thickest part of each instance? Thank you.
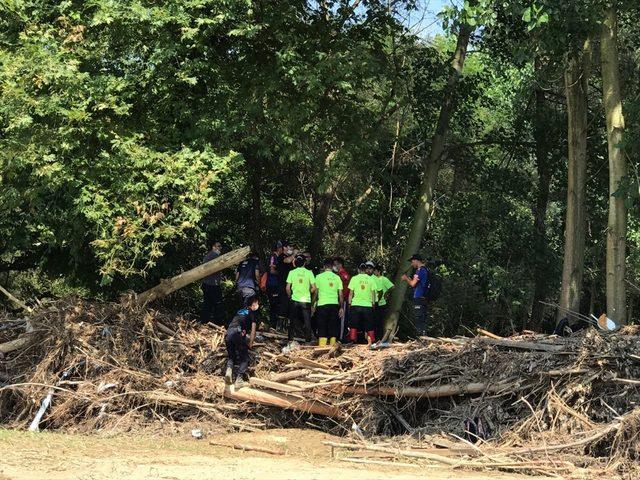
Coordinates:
(475, 430)
(435, 286)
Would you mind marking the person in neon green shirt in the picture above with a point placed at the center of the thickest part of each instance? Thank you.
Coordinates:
(384, 285)
(362, 297)
(301, 285)
(329, 305)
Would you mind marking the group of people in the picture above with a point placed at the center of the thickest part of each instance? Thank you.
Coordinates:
(329, 305)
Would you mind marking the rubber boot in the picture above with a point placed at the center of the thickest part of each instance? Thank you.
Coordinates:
(322, 341)
(353, 335)
(332, 341)
(371, 337)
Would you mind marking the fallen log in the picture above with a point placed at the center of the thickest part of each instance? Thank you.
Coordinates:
(292, 375)
(281, 400)
(430, 392)
(522, 345)
(182, 280)
(281, 387)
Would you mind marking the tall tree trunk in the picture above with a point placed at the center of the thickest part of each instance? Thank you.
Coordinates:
(430, 176)
(322, 206)
(254, 220)
(576, 83)
(543, 165)
(617, 229)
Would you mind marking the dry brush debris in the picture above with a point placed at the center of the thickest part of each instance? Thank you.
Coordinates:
(553, 404)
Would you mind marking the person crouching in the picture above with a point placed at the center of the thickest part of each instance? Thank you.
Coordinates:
(237, 344)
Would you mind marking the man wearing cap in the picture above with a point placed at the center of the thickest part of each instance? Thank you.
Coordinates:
(384, 285)
(362, 296)
(420, 284)
(329, 305)
(301, 286)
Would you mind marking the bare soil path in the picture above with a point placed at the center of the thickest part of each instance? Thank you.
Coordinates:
(57, 456)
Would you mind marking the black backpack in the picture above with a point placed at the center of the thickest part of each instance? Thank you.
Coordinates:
(435, 286)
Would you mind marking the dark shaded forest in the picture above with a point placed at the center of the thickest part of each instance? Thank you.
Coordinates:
(133, 134)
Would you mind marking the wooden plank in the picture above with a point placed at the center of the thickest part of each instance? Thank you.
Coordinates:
(292, 375)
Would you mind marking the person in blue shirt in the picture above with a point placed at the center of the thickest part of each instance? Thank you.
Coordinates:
(420, 284)
(243, 323)
(248, 277)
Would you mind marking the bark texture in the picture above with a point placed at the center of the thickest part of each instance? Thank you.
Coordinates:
(576, 83)
(431, 167)
(617, 227)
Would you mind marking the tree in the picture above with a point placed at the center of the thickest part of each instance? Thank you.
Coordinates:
(617, 225)
(576, 79)
(431, 165)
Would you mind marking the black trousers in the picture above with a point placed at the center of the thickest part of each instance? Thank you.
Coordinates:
(285, 303)
(273, 294)
(237, 351)
(328, 321)
(211, 304)
(300, 315)
(420, 315)
(361, 318)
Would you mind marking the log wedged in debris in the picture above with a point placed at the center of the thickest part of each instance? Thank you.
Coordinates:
(448, 390)
(165, 287)
(281, 400)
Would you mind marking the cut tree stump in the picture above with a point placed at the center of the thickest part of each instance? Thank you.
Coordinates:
(198, 273)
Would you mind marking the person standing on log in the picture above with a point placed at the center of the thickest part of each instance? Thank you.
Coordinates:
(212, 291)
(338, 268)
(384, 286)
(301, 286)
(248, 277)
(420, 284)
(237, 344)
(329, 306)
(362, 297)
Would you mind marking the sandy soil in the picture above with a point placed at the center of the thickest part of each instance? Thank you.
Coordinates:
(54, 456)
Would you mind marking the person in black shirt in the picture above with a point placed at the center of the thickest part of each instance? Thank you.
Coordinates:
(212, 291)
(237, 344)
(285, 265)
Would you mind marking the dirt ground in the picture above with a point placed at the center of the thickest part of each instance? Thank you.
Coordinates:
(55, 456)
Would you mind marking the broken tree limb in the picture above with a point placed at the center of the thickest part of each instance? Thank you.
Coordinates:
(486, 333)
(281, 387)
(249, 448)
(15, 300)
(430, 392)
(16, 344)
(523, 345)
(395, 451)
(281, 400)
(179, 281)
(292, 375)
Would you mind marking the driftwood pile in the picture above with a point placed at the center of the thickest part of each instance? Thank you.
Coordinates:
(553, 404)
